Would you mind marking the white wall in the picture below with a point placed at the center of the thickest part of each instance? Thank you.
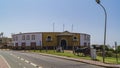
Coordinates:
(38, 39)
(83, 40)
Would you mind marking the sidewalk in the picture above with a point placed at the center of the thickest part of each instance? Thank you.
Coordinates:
(3, 63)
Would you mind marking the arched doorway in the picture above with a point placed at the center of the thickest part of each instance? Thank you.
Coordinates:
(23, 46)
(63, 44)
(33, 45)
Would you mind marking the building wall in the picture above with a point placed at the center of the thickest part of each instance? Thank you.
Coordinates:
(56, 39)
(52, 42)
(18, 39)
(5, 42)
(77, 41)
(84, 38)
(41, 39)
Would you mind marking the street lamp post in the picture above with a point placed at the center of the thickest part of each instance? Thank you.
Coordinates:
(98, 2)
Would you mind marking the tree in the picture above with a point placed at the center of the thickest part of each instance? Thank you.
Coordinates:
(118, 49)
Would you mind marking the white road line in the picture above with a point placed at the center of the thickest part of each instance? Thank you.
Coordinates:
(18, 57)
(33, 64)
(39, 67)
(27, 61)
(21, 59)
(5, 61)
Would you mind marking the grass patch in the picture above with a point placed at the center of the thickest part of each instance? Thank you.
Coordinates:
(111, 60)
(67, 54)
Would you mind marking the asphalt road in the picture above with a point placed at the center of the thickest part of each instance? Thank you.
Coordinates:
(18, 59)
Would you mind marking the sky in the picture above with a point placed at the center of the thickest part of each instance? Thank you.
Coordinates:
(86, 16)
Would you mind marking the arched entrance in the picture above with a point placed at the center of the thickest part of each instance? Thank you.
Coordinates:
(63, 43)
(23, 46)
(33, 45)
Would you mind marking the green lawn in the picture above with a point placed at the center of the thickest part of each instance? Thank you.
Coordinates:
(68, 54)
(109, 59)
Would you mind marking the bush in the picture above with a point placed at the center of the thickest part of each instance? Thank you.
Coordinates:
(107, 54)
(99, 53)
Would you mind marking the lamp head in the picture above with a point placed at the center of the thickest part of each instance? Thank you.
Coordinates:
(98, 1)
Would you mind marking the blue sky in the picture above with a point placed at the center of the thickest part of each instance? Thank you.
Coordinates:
(39, 15)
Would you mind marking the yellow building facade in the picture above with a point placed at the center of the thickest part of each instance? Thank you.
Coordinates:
(63, 39)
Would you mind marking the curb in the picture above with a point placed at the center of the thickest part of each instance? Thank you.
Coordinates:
(83, 61)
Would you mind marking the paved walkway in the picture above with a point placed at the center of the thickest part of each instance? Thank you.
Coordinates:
(3, 63)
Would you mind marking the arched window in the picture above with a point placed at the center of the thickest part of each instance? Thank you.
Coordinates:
(28, 37)
(85, 44)
(75, 39)
(33, 37)
(49, 38)
(16, 38)
(23, 37)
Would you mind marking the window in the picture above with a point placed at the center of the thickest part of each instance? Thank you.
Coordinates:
(85, 44)
(49, 38)
(75, 39)
(16, 38)
(85, 37)
(13, 38)
(88, 38)
(16, 44)
(23, 37)
(28, 37)
(33, 37)
(88, 44)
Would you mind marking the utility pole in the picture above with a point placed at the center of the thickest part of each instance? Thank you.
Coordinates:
(116, 50)
(98, 2)
(63, 27)
(53, 27)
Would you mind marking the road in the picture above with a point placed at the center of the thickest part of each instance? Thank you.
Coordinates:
(18, 59)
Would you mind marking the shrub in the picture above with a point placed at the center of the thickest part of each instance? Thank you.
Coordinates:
(110, 54)
(99, 53)
(107, 54)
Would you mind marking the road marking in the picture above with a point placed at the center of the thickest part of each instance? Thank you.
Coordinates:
(5, 61)
(18, 57)
(26, 61)
(21, 59)
(33, 64)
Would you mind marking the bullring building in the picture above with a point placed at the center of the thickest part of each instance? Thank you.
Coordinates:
(36, 40)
